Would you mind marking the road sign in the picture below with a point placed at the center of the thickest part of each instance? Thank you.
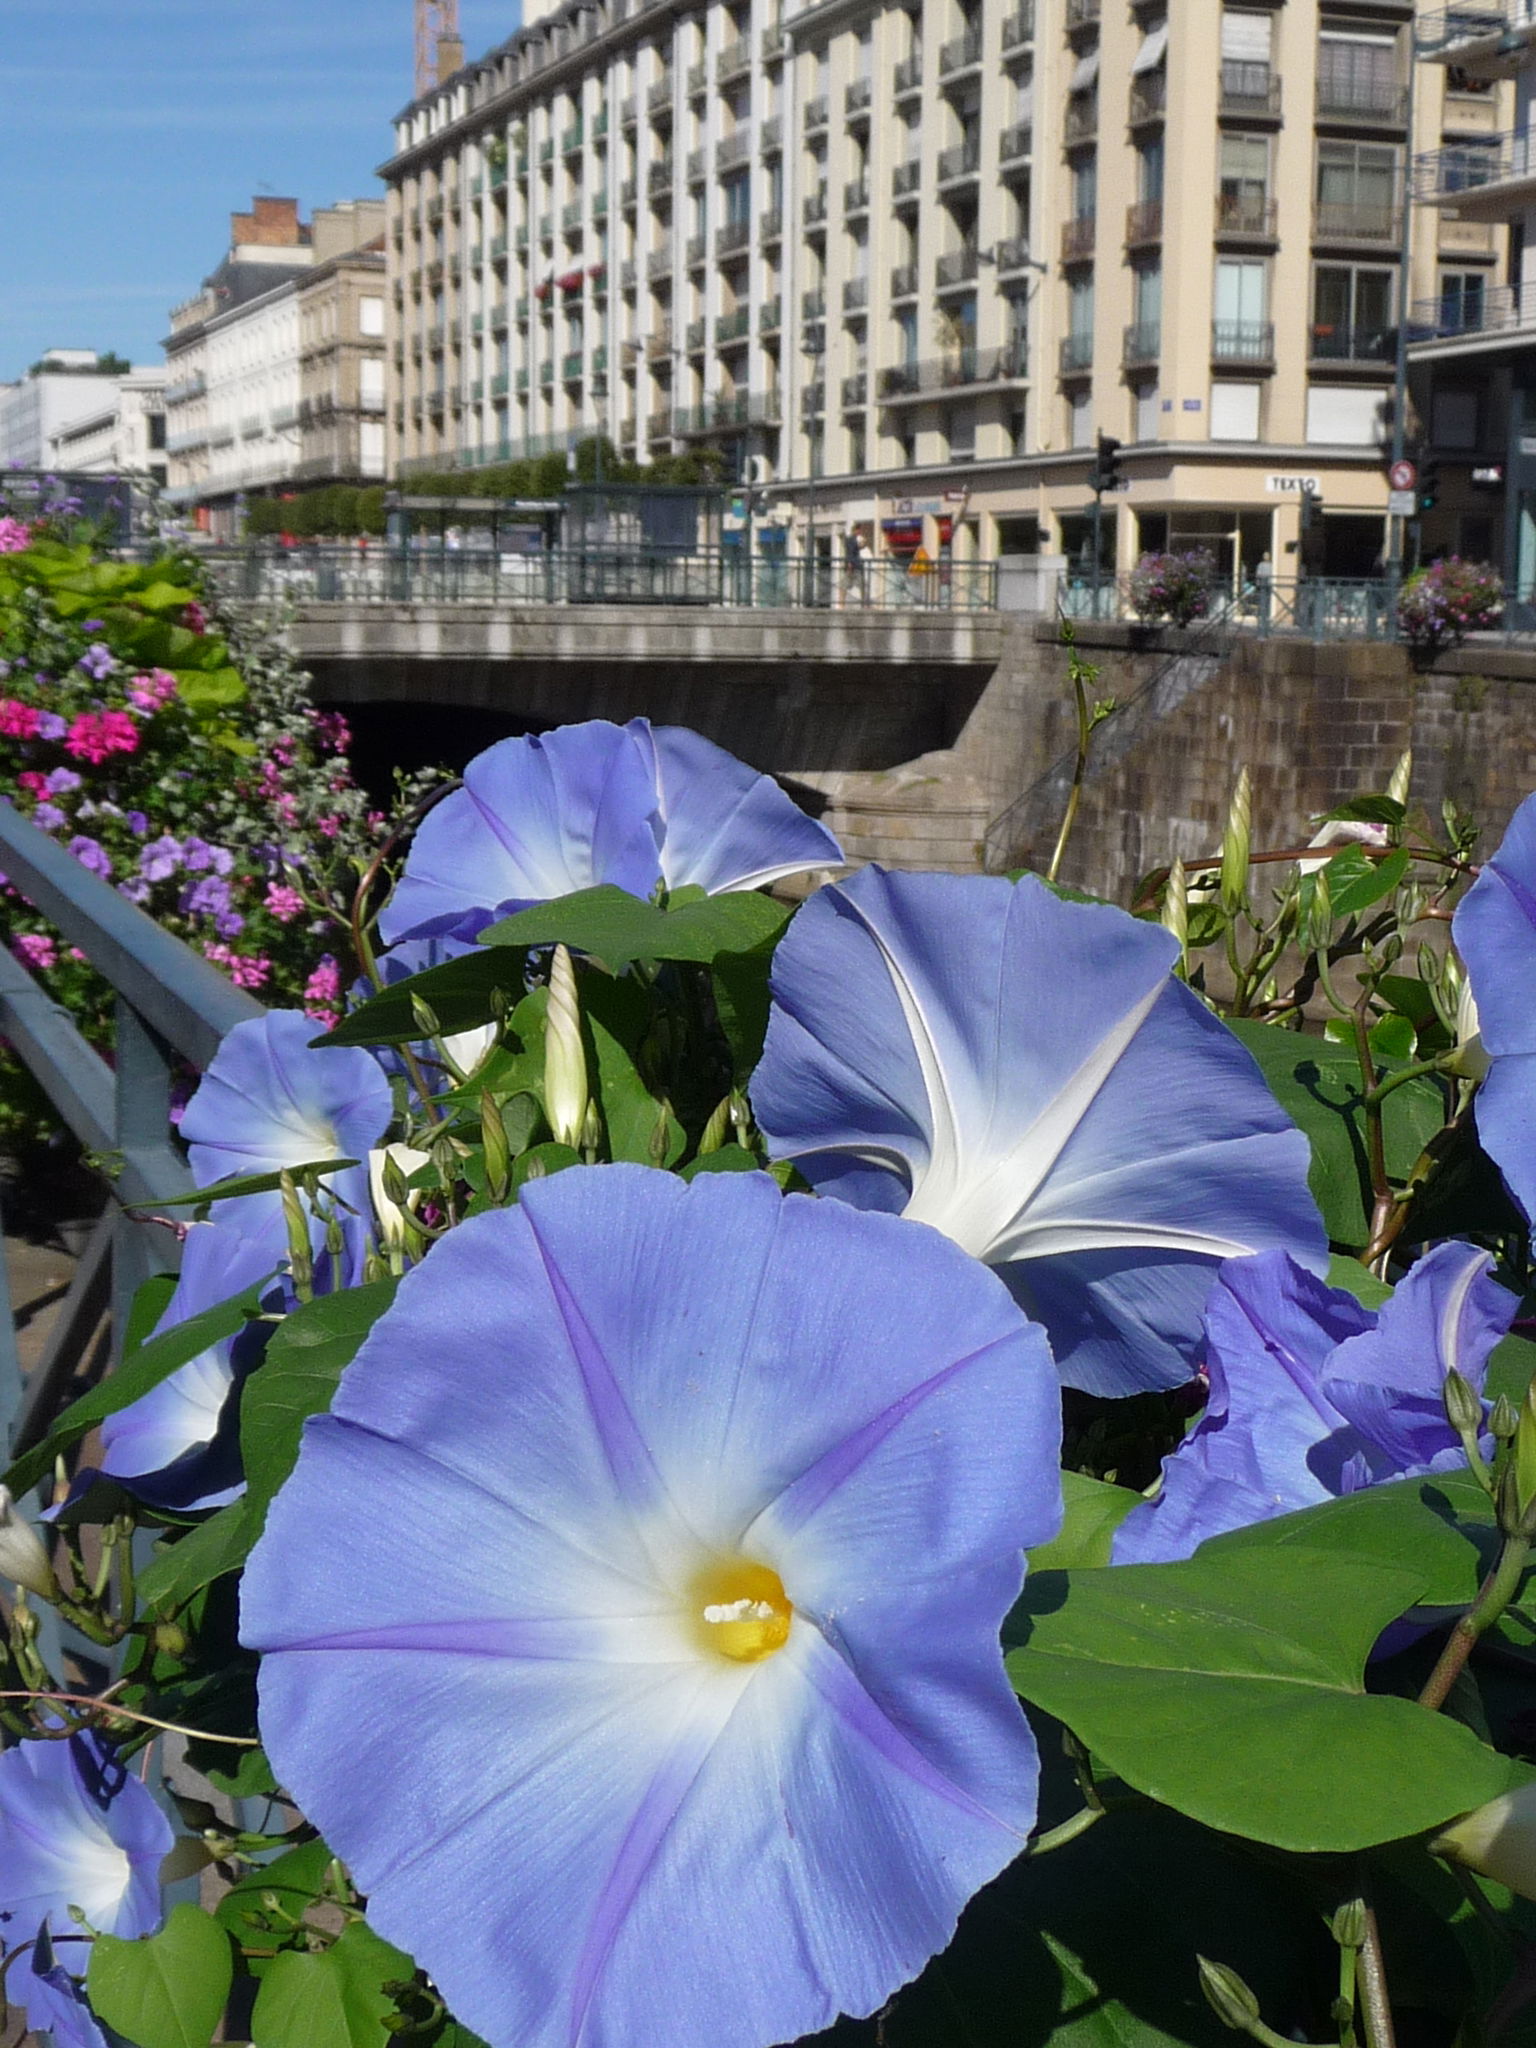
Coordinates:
(1402, 476)
(1402, 504)
(922, 563)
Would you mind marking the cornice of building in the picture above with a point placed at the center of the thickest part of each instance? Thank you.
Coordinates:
(811, 24)
(1048, 465)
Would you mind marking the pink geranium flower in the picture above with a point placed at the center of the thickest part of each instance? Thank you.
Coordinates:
(35, 950)
(283, 902)
(96, 734)
(14, 537)
(18, 721)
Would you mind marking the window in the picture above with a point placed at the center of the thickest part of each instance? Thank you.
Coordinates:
(370, 316)
(1149, 172)
(1080, 308)
(1153, 52)
(906, 328)
(371, 447)
(370, 380)
(738, 199)
(1149, 296)
(1085, 187)
(1453, 419)
(1242, 309)
(1243, 204)
(1357, 74)
(1357, 189)
(1082, 420)
(1345, 415)
(1352, 313)
(1235, 412)
(1463, 301)
(962, 433)
(1148, 412)
(1245, 57)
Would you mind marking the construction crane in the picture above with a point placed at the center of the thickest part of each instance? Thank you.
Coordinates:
(435, 19)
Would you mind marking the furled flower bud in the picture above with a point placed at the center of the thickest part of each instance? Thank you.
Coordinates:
(1402, 776)
(1499, 1840)
(565, 1062)
(1176, 904)
(1227, 1995)
(1236, 845)
(23, 1559)
(1470, 1060)
(389, 1169)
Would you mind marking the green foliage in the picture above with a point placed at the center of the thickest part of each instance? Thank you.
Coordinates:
(168, 1990)
(334, 1997)
(618, 929)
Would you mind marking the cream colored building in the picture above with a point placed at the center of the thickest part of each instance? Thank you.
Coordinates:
(276, 368)
(905, 262)
(124, 436)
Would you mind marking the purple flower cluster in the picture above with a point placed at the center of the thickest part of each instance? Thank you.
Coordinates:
(1448, 600)
(1173, 587)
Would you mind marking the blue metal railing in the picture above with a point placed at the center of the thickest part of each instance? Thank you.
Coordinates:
(724, 577)
(171, 1006)
(1312, 608)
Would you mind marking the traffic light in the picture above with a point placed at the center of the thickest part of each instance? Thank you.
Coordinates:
(1429, 484)
(1311, 544)
(1107, 473)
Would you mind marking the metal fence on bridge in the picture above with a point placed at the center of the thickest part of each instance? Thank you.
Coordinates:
(353, 574)
(1309, 608)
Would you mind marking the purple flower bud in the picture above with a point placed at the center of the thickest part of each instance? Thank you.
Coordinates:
(91, 854)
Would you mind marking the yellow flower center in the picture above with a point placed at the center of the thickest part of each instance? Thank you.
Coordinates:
(740, 1610)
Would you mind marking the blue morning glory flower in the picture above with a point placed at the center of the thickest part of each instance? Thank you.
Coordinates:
(50, 1997)
(1313, 1396)
(639, 1598)
(269, 1100)
(178, 1446)
(1495, 933)
(633, 805)
(76, 1829)
(1026, 1075)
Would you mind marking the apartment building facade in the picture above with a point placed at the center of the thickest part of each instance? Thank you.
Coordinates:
(64, 385)
(123, 436)
(1474, 367)
(903, 263)
(275, 368)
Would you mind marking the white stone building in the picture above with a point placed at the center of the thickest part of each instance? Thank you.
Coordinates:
(124, 437)
(64, 386)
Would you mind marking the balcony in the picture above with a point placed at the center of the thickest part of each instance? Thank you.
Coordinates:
(629, 192)
(1343, 220)
(659, 177)
(1143, 223)
(571, 367)
(965, 368)
(814, 211)
(695, 335)
(771, 225)
(1019, 29)
(501, 317)
(908, 75)
(570, 215)
(1251, 342)
(733, 149)
(773, 45)
(1246, 217)
(855, 294)
(698, 166)
(1344, 344)
(1496, 309)
(813, 397)
(963, 53)
(522, 380)
(734, 60)
(498, 248)
(772, 314)
(815, 114)
(658, 425)
(1149, 98)
(1491, 179)
(627, 274)
(771, 137)
(547, 150)
(904, 281)
(659, 263)
(856, 99)
(1082, 118)
(628, 111)
(476, 322)
(813, 304)
(499, 176)
(698, 78)
(1361, 102)
(1014, 144)
(572, 139)
(906, 178)
(1143, 344)
(1076, 355)
(735, 326)
(1078, 237)
(1249, 92)
(960, 161)
(697, 250)
(659, 341)
(855, 392)
(658, 98)
(956, 268)
(856, 195)
(1082, 13)
(731, 236)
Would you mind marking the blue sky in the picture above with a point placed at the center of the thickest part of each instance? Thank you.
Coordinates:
(133, 128)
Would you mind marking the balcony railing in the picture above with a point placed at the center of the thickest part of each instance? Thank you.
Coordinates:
(904, 281)
(958, 266)
(697, 330)
(659, 96)
(1250, 89)
(733, 326)
(659, 263)
(1242, 341)
(908, 75)
(855, 294)
(658, 425)
(1082, 118)
(659, 177)
(1012, 255)
(856, 98)
(697, 250)
(659, 341)
(768, 320)
(1246, 213)
(1144, 223)
(906, 178)
(814, 211)
(698, 78)
(1076, 354)
(1346, 344)
(1082, 13)
(571, 140)
(1343, 220)
(813, 397)
(1493, 310)
(960, 160)
(698, 166)
(773, 44)
(964, 367)
(1019, 28)
(772, 135)
(731, 236)
(816, 113)
(771, 224)
(733, 149)
(1149, 97)
(855, 391)
(571, 367)
(734, 59)
(1143, 343)
(813, 304)
(629, 192)
(570, 214)
(1015, 143)
(1077, 238)
(961, 53)
(1361, 102)
(856, 195)
(1441, 174)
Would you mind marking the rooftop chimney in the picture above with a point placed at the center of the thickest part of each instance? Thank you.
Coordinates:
(450, 56)
(270, 224)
